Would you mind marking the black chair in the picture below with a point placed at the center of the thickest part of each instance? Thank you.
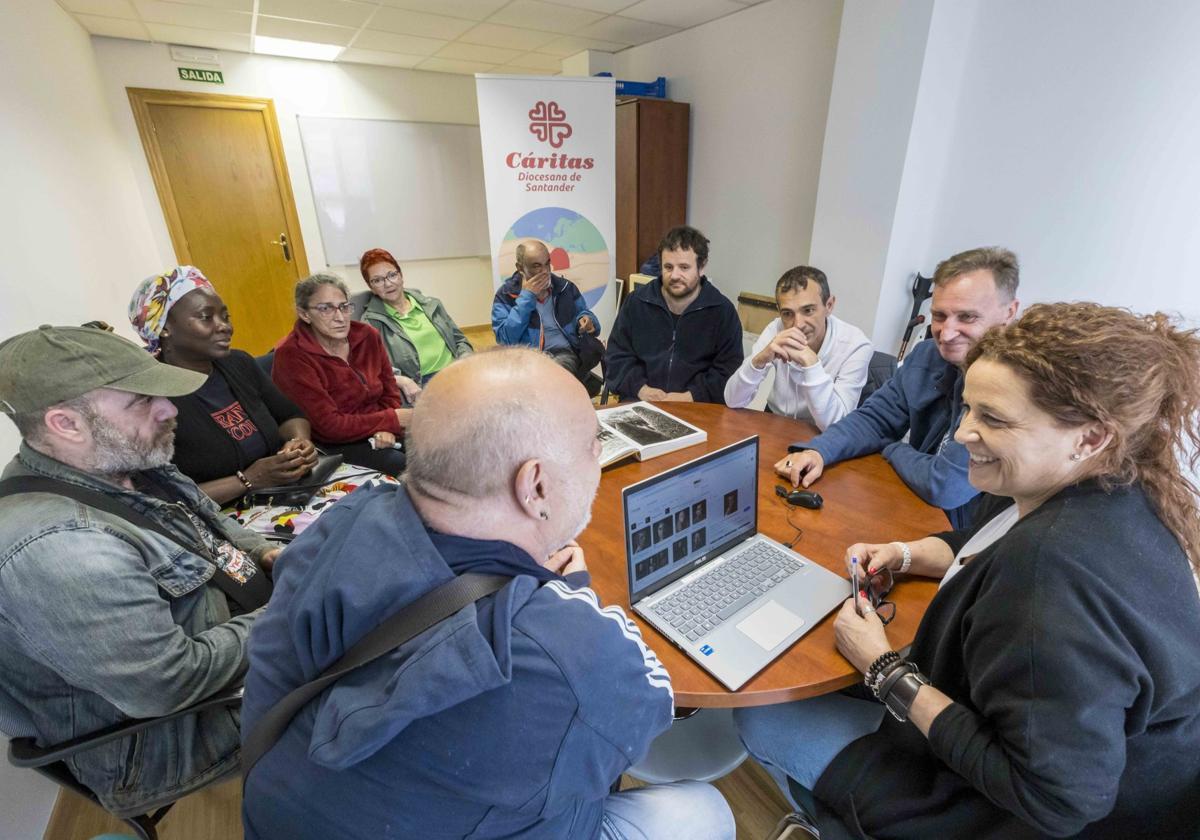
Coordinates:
(880, 369)
(51, 762)
(266, 361)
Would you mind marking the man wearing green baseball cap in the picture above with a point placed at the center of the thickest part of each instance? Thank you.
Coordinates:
(124, 591)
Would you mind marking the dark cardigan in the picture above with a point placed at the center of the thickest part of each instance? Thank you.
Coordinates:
(203, 450)
(1069, 650)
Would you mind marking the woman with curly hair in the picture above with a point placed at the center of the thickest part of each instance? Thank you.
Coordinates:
(1051, 688)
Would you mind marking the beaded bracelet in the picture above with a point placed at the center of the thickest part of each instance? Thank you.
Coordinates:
(906, 557)
(242, 478)
(878, 665)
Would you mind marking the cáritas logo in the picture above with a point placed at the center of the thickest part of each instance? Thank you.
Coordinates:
(548, 123)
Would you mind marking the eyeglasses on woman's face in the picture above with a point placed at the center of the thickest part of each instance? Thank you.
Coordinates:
(326, 310)
(383, 279)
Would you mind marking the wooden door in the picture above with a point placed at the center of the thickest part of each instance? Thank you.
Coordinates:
(218, 167)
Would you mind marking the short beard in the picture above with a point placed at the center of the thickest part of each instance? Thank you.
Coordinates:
(115, 455)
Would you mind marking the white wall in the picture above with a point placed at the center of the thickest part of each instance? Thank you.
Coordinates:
(71, 231)
(1066, 131)
(875, 87)
(313, 88)
(758, 82)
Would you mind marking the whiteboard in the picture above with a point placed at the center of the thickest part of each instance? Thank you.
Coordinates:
(413, 188)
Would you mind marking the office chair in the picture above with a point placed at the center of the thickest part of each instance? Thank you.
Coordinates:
(880, 369)
(51, 762)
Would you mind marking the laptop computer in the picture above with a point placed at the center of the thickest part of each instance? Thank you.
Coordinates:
(701, 574)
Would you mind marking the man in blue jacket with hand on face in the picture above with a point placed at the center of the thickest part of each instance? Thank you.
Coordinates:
(537, 308)
(972, 292)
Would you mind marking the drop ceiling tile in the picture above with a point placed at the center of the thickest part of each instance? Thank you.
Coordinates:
(246, 6)
(469, 9)
(608, 7)
(626, 30)
(477, 52)
(494, 35)
(298, 30)
(114, 27)
(534, 14)
(539, 61)
(391, 42)
(195, 17)
(167, 34)
(563, 47)
(524, 71)
(379, 57)
(336, 12)
(103, 8)
(407, 22)
(466, 68)
(681, 13)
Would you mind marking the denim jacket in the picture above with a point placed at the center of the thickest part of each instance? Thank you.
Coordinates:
(100, 621)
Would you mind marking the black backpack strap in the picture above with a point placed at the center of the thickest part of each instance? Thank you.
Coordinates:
(247, 597)
(430, 609)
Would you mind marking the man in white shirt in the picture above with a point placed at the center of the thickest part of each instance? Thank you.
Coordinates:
(820, 361)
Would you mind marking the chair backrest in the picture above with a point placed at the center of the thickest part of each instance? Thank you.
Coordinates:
(756, 311)
(359, 301)
(880, 369)
(266, 362)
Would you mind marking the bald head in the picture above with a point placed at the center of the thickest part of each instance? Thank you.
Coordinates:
(532, 254)
(484, 416)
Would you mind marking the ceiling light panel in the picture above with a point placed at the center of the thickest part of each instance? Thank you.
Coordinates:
(299, 30)
(265, 45)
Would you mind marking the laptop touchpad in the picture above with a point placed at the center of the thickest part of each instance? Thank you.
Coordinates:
(770, 624)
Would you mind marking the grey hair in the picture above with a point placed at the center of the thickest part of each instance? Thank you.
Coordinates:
(32, 424)
(306, 288)
(1001, 262)
(476, 452)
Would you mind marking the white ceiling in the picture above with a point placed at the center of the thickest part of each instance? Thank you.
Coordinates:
(447, 36)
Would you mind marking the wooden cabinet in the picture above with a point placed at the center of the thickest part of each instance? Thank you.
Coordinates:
(652, 176)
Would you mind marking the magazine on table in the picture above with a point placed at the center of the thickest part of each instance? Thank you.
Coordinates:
(643, 431)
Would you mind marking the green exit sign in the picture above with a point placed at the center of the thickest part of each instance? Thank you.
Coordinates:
(192, 74)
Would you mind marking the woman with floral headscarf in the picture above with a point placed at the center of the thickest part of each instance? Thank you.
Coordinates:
(237, 432)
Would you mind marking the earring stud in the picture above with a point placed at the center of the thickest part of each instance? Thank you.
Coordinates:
(1076, 457)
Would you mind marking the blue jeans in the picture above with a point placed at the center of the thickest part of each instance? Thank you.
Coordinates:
(800, 739)
(676, 811)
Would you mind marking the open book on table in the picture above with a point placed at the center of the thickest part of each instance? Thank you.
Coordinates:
(641, 430)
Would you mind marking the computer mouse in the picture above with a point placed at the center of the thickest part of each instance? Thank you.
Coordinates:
(800, 498)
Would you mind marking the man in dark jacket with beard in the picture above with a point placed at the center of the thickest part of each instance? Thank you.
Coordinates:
(677, 338)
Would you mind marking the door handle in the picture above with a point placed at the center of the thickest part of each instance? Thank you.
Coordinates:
(283, 243)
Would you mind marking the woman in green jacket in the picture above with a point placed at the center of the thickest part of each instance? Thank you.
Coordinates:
(420, 337)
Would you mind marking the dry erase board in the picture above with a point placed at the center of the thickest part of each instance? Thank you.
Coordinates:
(413, 188)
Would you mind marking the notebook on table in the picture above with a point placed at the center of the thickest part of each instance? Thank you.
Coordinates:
(702, 575)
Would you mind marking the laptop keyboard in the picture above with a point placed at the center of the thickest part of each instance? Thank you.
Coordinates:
(703, 604)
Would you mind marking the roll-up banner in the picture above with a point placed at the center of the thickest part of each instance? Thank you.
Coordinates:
(549, 146)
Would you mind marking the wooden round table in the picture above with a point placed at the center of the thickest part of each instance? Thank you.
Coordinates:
(865, 501)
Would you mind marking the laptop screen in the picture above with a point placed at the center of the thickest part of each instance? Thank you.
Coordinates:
(681, 518)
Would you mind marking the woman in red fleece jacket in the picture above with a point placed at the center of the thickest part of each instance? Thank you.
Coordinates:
(337, 370)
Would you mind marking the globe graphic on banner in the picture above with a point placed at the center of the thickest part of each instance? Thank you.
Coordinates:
(577, 250)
